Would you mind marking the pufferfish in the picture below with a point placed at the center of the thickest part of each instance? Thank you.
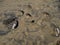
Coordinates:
(11, 23)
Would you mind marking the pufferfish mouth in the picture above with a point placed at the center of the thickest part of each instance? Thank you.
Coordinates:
(15, 24)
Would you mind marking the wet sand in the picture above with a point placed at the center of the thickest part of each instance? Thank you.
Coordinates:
(38, 22)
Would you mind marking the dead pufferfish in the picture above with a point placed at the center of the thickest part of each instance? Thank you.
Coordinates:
(11, 23)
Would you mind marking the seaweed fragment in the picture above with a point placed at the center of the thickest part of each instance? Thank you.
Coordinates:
(4, 32)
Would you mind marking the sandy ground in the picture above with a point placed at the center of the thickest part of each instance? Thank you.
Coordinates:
(38, 21)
